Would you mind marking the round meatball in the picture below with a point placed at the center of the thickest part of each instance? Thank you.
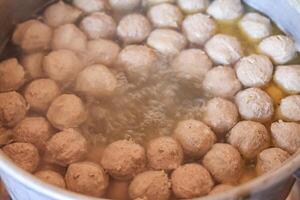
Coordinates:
(249, 137)
(148, 3)
(270, 159)
(12, 75)
(191, 180)
(66, 147)
(51, 177)
(280, 48)
(91, 5)
(225, 9)
(33, 65)
(221, 188)
(195, 137)
(24, 155)
(288, 78)
(124, 5)
(193, 6)
(255, 104)
(198, 34)
(150, 185)
(221, 115)
(286, 135)
(254, 70)
(221, 81)
(87, 178)
(289, 108)
(256, 26)
(165, 16)
(13, 108)
(133, 28)
(123, 159)
(224, 162)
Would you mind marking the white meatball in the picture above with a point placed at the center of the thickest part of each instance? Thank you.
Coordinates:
(155, 2)
(255, 104)
(98, 25)
(256, 26)
(254, 70)
(198, 34)
(288, 78)
(168, 42)
(33, 64)
(90, 5)
(224, 49)
(289, 108)
(280, 48)
(225, 9)
(221, 81)
(193, 6)
(124, 5)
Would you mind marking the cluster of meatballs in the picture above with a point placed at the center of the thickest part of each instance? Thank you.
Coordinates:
(72, 54)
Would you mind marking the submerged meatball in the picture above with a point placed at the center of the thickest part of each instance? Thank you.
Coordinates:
(87, 178)
(148, 3)
(193, 6)
(91, 5)
(225, 9)
(221, 188)
(118, 190)
(33, 64)
(288, 78)
(123, 159)
(289, 108)
(51, 177)
(191, 180)
(150, 185)
(124, 5)
(24, 155)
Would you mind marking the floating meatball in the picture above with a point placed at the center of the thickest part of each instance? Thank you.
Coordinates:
(280, 48)
(224, 162)
(87, 178)
(254, 70)
(118, 190)
(191, 180)
(221, 188)
(33, 65)
(24, 155)
(124, 5)
(13, 108)
(123, 159)
(254, 104)
(148, 3)
(133, 28)
(249, 137)
(224, 49)
(289, 108)
(288, 78)
(286, 135)
(91, 5)
(198, 34)
(51, 177)
(150, 185)
(195, 137)
(12, 75)
(225, 9)
(193, 6)
(66, 147)
(270, 159)
(221, 115)
(221, 81)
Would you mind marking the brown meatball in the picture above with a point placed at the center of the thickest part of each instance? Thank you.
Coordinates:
(150, 185)
(123, 159)
(221, 188)
(118, 190)
(87, 178)
(224, 162)
(51, 177)
(66, 147)
(33, 64)
(191, 180)
(164, 153)
(195, 137)
(24, 155)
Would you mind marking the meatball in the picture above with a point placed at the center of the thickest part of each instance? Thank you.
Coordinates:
(66, 147)
(288, 78)
(191, 180)
(98, 25)
(91, 5)
(289, 108)
(224, 162)
(254, 70)
(165, 16)
(164, 153)
(124, 5)
(193, 6)
(150, 185)
(221, 81)
(118, 190)
(254, 104)
(12, 75)
(33, 65)
(256, 26)
(123, 159)
(166, 41)
(32, 36)
(249, 137)
(270, 159)
(198, 34)
(221, 115)
(51, 177)
(286, 135)
(148, 3)
(87, 178)
(133, 28)
(225, 9)
(195, 137)
(224, 49)
(13, 108)
(221, 188)
(24, 155)
(280, 48)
